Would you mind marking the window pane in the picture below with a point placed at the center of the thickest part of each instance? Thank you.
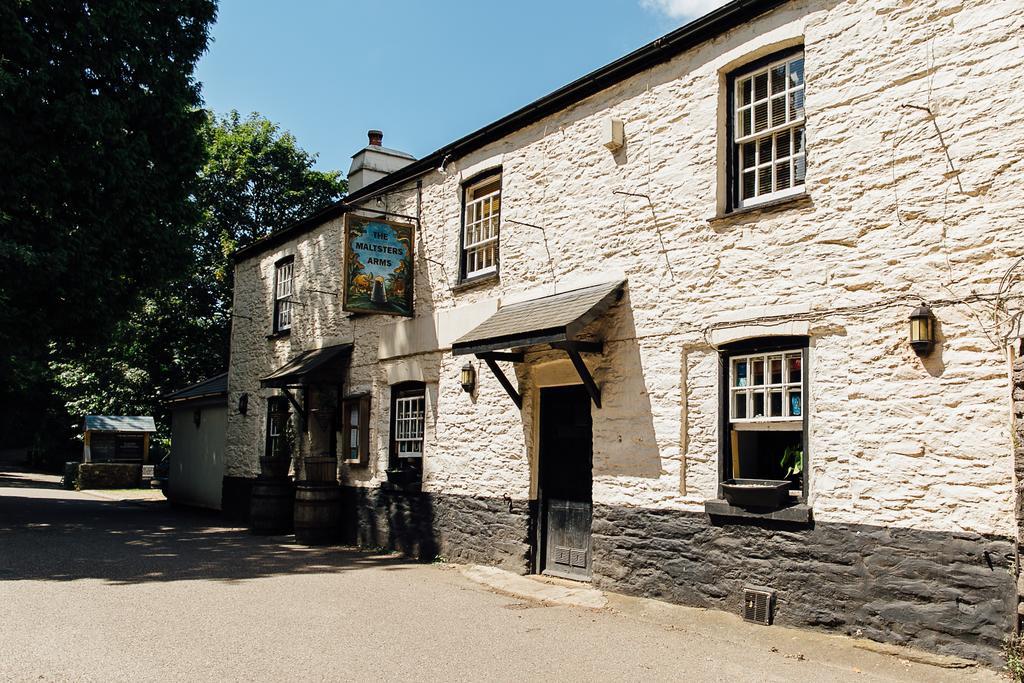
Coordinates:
(775, 370)
(760, 117)
(739, 403)
(796, 71)
(744, 124)
(795, 404)
(775, 402)
(764, 180)
(745, 91)
(778, 78)
(799, 170)
(782, 176)
(778, 110)
(799, 142)
(758, 410)
(794, 369)
(740, 373)
(758, 368)
(764, 150)
(782, 141)
(749, 155)
(760, 86)
(796, 105)
(748, 185)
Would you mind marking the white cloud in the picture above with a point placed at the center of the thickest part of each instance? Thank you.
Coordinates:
(682, 9)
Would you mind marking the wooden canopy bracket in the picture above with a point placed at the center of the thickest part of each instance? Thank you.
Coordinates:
(492, 358)
(299, 410)
(573, 349)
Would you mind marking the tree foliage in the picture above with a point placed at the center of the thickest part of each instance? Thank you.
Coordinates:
(100, 145)
(255, 179)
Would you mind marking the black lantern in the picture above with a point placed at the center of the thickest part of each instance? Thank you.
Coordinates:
(468, 376)
(922, 330)
(243, 403)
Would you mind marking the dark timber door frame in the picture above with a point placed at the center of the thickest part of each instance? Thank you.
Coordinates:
(564, 482)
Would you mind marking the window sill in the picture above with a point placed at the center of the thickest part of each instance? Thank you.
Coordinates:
(478, 281)
(774, 206)
(280, 334)
(800, 513)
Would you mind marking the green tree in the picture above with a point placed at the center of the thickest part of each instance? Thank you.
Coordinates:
(256, 178)
(100, 142)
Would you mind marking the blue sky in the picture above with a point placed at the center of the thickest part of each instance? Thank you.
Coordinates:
(425, 73)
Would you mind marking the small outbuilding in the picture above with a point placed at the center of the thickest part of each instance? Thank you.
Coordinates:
(199, 416)
(118, 439)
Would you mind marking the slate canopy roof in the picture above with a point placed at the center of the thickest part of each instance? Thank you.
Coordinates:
(119, 423)
(545, 320)
(316, 366)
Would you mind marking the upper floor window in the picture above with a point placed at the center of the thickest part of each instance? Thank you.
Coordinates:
(284, 277)
(480, 222)
(768, 145)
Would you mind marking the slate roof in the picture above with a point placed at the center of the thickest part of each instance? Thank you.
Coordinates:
(310, 367)
(553, 318)
(119, 423)
(208, 388)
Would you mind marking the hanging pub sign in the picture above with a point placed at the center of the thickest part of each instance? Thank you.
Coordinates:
(378, 266)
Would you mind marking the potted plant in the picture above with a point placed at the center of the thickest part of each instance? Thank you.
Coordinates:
(792, 463)
(756, 493)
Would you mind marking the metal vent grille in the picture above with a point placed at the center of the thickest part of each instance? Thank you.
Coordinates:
(758, 604)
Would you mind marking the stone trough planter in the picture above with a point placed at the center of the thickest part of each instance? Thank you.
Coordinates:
(756, 493)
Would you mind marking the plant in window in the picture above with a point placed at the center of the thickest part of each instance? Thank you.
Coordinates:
(792, 462)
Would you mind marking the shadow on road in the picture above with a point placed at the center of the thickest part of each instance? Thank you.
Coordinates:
(63, 539)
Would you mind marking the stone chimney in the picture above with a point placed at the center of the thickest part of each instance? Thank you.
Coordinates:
(374, 162)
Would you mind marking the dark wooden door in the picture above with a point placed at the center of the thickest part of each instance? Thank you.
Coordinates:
(566, 481)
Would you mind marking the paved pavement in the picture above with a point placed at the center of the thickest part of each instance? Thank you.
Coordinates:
(98, 589)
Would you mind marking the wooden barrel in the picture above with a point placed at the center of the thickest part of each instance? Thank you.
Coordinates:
(317, 512)
(321, 469)
(271, 505)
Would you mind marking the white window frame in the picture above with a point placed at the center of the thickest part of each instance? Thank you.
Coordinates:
(786, 388)
(409, 422)
(284, 287)
(798, 123)
(475, 223)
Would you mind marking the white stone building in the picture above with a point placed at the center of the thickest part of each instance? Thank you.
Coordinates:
(735, 266)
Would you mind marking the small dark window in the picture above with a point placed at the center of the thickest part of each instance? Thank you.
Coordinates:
(278, 413)
(767, 157)
(284, 278)
(408, 418)
(481, 219)
(355, 429)
(764, 411)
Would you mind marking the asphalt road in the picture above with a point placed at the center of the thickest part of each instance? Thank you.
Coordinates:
(104, 590)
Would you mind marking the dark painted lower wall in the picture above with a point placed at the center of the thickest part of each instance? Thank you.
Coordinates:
(948, 593)
(464, 529)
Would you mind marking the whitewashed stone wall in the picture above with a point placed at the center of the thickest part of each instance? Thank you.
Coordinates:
(890, 220)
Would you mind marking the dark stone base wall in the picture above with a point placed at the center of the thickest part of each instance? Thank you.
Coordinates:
(464, 529)
(948, 593)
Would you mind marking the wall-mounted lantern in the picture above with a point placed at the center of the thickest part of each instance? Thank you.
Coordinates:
(922, 330)
(243, 403)
(468, 377)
